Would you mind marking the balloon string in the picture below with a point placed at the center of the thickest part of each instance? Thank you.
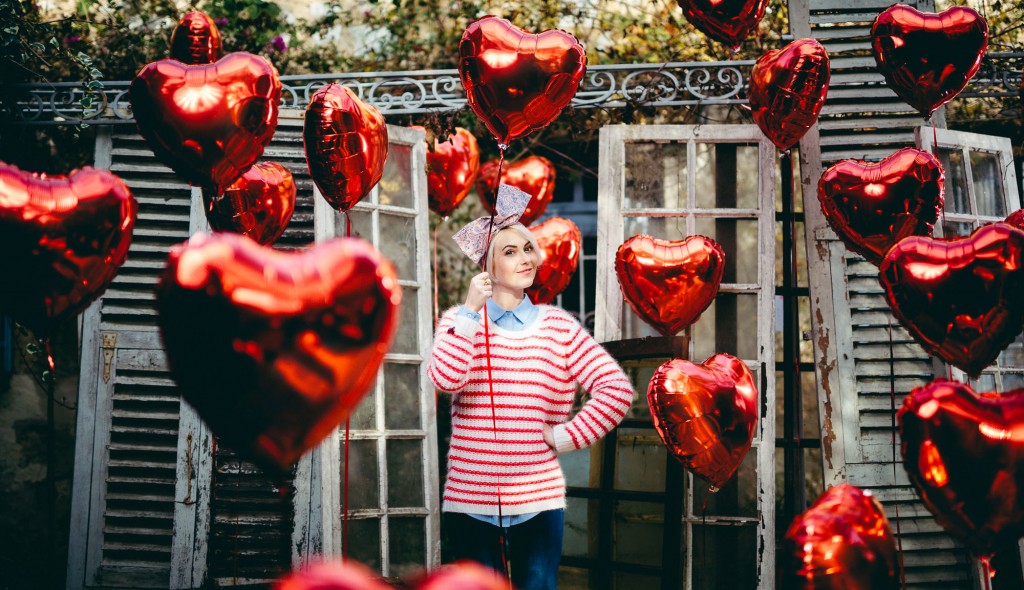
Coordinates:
(348, 225)
(896, 504)
(494, 427)
(344, 501)
(51, 454)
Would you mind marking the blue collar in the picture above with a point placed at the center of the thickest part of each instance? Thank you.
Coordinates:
(513, 319)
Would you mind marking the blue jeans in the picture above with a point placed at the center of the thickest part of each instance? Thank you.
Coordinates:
(533, 548)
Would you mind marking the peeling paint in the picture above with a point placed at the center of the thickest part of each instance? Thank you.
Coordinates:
(825, 370)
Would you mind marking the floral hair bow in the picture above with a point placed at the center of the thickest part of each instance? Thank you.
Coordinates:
(476, 235)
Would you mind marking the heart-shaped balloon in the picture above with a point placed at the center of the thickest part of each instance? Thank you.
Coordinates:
(1016, 219)
(787, 90)
(842, 542)
(669, 283)
(964, 453)
(726, 21)
(346, 144)
(464, 575)
(259, 204)
(332, 575)
(452, 168)
(534, 175)
(274, 349)
(961, 299)
(209, 123)
(928, 58)
(196, 39)
(517, 82)
(561, 242)
(871, 206)
(63, 240)
(705, 414)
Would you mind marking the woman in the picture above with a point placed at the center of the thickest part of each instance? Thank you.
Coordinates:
(513, 381)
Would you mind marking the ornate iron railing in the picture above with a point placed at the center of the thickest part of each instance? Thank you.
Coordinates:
(429, 91)
(410, 93)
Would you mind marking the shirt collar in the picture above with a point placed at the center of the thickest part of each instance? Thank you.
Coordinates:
(522, 312)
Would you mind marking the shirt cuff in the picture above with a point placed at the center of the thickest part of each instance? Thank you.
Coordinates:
(563, 442)
(466, 323)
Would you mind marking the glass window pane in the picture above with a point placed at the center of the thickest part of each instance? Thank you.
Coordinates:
(988, 184)
(955, 196)
(665, 228)
(984, 382)
(726, 176)
(724, 557)
(813, 474)
(405, 473)
(363, 477)
(780, 403)
(398, 243)
(640, 460)
(576, 467)
(406, 336)
(738, 497)
(952, 229)
(801, 253)
(362, 224)
(803, 304)
(1012, 381)
(812, 426)
(655, 176)
(738, 239)
(395, 186)
(365, 416)
(728, 325)
(638, 532)
(581, 517)
(364, 538)
(401, 396)
(408, 545)
(1013, 355)
(640, 375)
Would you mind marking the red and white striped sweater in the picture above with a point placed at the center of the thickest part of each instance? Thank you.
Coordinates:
(535, 375)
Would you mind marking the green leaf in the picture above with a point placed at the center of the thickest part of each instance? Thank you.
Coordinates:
(94, 85)
(11, 29)
(37, 46)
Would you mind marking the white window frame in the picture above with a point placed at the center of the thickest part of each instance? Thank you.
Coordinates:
(609, 300)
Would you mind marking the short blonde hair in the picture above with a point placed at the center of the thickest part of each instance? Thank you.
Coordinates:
(523, 231)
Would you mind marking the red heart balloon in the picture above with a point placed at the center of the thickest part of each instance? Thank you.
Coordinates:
(726, 21)
(534, 176)
(259, 204)
(787, 90)
(452, 168)
(705, 414)
(964, 452)
(346, 144)
(516, 82)
(961, 299)
(873, 206)
(561, 242)
(464, 575)
(928, 58)
(332, 575)
(196, 39)
(842, 542)
(1016, 219)
(274, 349)
(669, 283)
(209, 123)
(63, 240)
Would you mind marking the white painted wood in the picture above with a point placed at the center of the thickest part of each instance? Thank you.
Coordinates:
(194, 471)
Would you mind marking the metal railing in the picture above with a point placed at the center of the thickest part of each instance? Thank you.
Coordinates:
(432, 91)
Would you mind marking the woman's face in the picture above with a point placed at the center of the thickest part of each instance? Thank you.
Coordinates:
(515, 261)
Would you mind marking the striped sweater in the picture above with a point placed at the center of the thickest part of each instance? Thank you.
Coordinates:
(535, 373)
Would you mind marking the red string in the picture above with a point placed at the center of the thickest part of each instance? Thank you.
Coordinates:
(896, 504)
(348, 225)
(344, 501)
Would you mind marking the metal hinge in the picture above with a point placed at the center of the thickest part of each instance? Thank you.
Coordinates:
(108, 344)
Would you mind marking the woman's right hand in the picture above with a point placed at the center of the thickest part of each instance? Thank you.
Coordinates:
(479, 292)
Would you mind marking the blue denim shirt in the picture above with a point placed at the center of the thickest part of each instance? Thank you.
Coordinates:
(515, 320)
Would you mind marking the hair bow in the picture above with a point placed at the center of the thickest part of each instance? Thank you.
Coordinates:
(476, 235)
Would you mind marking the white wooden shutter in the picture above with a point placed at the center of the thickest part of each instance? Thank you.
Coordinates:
(157, 503)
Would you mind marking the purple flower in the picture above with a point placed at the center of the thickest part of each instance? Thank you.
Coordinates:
(279, 43)
(71, 40)
(220, 22)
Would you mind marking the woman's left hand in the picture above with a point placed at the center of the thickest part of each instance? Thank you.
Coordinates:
(549, 436)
